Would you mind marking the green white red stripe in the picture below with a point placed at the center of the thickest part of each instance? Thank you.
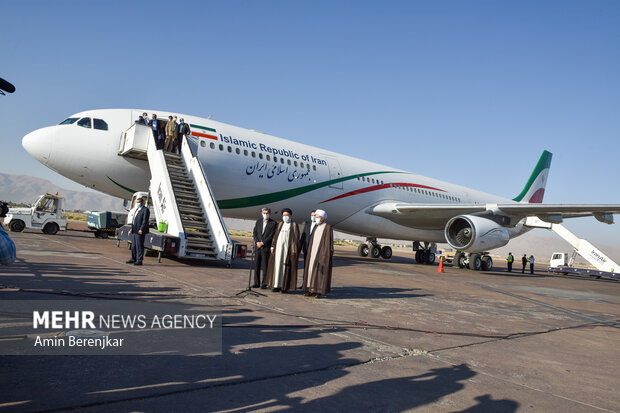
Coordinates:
(204, 132)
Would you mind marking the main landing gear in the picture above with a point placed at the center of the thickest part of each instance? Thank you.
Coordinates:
(474, 261)
(425, 252)
(373, 249)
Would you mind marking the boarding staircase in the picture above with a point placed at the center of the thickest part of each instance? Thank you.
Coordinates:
(181, 196)
(583, 247)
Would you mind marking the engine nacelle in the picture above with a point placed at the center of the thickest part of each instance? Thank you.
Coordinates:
(471, 233)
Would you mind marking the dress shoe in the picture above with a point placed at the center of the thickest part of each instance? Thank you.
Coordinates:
(255, 286)
(263, 287)
(129, 262)
(137, 263)
(275, 290)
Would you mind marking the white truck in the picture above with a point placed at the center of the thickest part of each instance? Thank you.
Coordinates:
(47, 214)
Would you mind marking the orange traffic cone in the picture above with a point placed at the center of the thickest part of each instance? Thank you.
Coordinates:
(440, 269)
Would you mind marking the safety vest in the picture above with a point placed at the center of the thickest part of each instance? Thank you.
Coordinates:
(510, 258)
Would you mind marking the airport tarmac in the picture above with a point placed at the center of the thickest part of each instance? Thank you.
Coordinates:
(391, 336)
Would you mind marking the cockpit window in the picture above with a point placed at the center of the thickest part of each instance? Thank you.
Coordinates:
(84, 122)
(100, 124)
(68, 121)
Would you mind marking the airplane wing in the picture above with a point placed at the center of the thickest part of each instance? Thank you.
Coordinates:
(436, 215)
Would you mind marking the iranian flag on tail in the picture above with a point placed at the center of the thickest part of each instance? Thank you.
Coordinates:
(203, 132)
(534, 190)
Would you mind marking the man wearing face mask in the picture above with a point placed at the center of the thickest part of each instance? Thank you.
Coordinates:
(183, 131)
(318, 269)
(264, 230)
(282, 269)
(139, 229)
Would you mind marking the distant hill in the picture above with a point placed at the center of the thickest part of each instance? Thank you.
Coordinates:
(24, 188)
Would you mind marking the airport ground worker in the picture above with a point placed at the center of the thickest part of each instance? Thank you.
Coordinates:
(318, 270)
(509, 261)
(264, 231)
(7, 246)
(523, 263)
(282, 268)
(531, 264)
(171, 134)
(139, 229)
(183, 131)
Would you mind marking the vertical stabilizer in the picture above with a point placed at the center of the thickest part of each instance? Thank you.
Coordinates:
(534, 189)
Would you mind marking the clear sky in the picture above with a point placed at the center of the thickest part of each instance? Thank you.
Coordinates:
(469, 92)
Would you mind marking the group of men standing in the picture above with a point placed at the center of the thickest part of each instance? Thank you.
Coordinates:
(524, 261)
(278, 247)
(169, 134)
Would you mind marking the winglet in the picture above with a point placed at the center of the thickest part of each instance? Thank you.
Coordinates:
(534, 189)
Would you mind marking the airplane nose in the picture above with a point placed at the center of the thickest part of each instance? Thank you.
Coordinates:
(39, 144)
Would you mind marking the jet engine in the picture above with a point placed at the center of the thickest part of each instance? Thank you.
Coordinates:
(471, 233)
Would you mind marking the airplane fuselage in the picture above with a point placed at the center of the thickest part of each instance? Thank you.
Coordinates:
(249, 170)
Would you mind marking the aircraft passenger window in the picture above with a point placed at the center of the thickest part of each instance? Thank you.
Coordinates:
(296, 164)
(308, 166)
(68, 121)
(282, 160)
(100, 124)
(268, 157)
(212, 145)
(275, 159)
(372, 180)
(314, 167)
(301, 165)
(84, 122)
(230, 149)
(203, 144)
(253, 154)
(221, 147)
(245, 152)
(260, 156)
(238, 151)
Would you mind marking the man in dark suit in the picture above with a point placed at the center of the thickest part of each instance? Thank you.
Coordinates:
(158, 131)
(182, 132)
(139, 229)
(264, 230)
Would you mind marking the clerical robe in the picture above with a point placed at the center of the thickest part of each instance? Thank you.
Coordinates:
(318, 269)
(282, 268)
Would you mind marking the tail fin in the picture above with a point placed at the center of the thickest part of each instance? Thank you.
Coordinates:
(534, 190)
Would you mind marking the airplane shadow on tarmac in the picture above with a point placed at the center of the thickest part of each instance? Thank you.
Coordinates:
(261, 367)
(350, 292)
(79, 279)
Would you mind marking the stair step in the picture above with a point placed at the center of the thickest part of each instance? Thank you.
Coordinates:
(190, 209)
(184, 192)
(202, 249)
(198, 243)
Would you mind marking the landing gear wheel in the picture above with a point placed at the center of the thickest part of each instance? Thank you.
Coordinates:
(362, 250)
(50, 228)
(430, 258)
(487, 263)
(418, 256)
(17, 226)
(375, 252)
(457, 261)
(386, 252)
(475, 262)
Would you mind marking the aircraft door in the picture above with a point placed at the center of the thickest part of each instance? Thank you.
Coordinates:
(335, 172)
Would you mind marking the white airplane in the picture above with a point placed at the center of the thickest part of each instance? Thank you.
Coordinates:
(248, 170)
